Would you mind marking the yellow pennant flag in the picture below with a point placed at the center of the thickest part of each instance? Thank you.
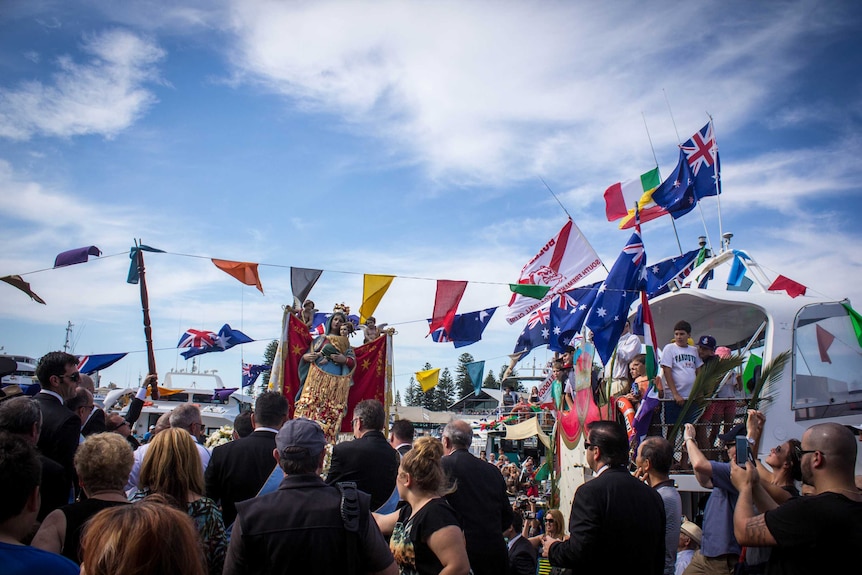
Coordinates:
(373, 289)
(428, 379)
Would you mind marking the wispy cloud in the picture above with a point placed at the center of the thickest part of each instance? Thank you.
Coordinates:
(102, 95)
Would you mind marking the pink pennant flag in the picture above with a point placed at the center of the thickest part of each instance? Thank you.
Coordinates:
(449, 295)
(792, 288)
(824, 340)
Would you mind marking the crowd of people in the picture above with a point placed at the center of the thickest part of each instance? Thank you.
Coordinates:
(278, 498)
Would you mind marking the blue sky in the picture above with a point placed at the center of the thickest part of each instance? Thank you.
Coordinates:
(408, 139)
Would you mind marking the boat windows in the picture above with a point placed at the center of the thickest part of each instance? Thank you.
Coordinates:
(827, 363)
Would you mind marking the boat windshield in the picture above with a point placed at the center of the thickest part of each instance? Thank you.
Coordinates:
(827, 363)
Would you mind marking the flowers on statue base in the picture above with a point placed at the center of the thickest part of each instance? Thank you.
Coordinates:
(220, 436)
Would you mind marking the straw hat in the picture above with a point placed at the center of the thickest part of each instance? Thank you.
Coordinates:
(692, 530)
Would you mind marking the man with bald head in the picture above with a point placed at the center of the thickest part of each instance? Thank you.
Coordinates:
(814, 533)
(480, 500)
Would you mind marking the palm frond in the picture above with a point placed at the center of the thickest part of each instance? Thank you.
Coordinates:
(770, 374)
(705, 385)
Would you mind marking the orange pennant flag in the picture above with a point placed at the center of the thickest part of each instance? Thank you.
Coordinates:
(246, 272)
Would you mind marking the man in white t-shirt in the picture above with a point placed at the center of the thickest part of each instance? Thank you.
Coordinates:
(680, 364)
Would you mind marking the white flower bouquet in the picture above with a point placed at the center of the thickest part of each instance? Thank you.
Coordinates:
(220, 436)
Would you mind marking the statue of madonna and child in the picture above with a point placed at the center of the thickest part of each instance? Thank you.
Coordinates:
(325, 374)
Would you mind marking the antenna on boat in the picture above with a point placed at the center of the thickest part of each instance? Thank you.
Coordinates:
(672, 221)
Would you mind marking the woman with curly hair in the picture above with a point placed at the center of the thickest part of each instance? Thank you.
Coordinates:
(150, 537)
(103, 463)
(172, 468)
(426, 536)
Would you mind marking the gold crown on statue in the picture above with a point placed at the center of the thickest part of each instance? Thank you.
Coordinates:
(340, 307)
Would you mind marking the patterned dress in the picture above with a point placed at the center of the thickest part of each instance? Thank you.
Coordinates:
(409, 541)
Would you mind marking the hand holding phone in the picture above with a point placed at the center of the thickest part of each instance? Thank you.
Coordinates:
(742, 451)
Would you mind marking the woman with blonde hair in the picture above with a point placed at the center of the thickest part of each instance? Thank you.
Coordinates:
(172, 468)
(103, 463)
(150, 537)
(426, 536)
(555, 526)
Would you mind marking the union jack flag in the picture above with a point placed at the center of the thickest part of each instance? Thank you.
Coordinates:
(540, 316)
(701, 149)
(250, 373)
(635, 248)
(197, 338)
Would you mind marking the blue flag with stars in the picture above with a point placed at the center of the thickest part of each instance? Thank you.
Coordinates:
(226, 339)
(536, 333)
(467, 328)
(568, 312)
(608, 315)
(661, 273)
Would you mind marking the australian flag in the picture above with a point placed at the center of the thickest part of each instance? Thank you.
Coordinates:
(661, 273)
(536, 333)
(467, 328)
(226, 339)
(250, 373)
(92, 363)
(568, 312)
(318, 324)
(610, 310)
(697, 174)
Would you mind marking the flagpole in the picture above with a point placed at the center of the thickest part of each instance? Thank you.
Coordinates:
(570, 217)
(679, 143)
(672, 221)
(717, 176)
(148, 330)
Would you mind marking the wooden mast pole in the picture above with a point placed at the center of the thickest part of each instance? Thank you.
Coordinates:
(148, 330)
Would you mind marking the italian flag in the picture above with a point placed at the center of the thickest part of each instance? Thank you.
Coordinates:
(643, 415)
(621, 197)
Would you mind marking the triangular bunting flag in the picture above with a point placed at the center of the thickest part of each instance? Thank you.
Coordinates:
(476, 370)
(373, 289)
(18, 282)
(530, 290)
(245, 272)
(428, 379)
(824, 340)
(446, 302)
(792, 288)
(76, 256)
(301, 282)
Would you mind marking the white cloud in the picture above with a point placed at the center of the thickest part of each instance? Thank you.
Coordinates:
(102, 95)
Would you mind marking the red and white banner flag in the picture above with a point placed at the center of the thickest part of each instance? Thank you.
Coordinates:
(564, 261)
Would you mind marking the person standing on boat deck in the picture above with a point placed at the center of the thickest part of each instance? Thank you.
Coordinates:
(239, 468)
(368, 460)
(58, 375)
(818, 533)
(680, 364)
(185, 416)
(479, 498)
(608, 506)
(628, 347)
(21, 416)
(325, 375)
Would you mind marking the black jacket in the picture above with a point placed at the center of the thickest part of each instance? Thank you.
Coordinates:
(238, 469)
(369, 461)
(61, 431)
(523, 558)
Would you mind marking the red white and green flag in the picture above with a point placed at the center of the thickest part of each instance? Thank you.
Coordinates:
(643, 415)
(620, 200)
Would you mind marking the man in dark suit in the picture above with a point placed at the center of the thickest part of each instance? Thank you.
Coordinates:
(95, 422)
(401, 436)
(480, 500)
(58, 376)
(523, 557)
(239, 468)
(21, 416)
(610, 506)
(368, 460)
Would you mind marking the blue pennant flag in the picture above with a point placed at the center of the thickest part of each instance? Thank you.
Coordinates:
(92, 363)
(226, 339)
(476, 370)
(250, 373)
(608, 315)
(467, 328)
(536, 333)
(662, 273)
(568, 312)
